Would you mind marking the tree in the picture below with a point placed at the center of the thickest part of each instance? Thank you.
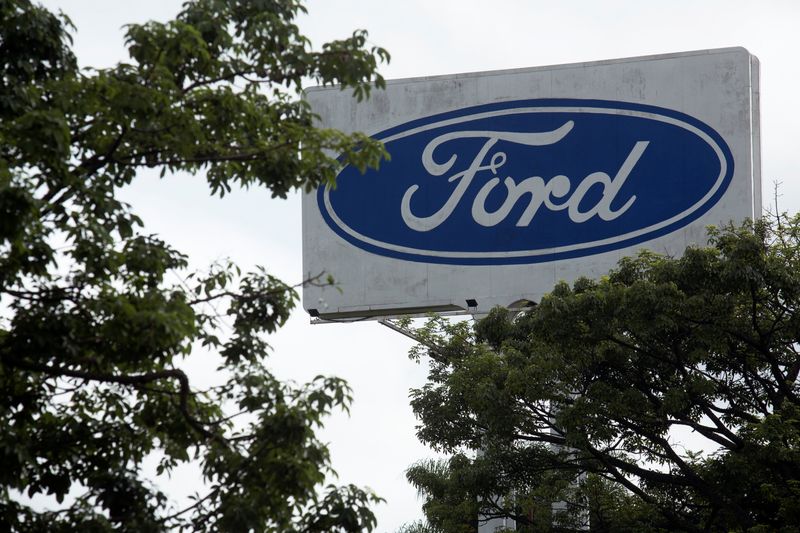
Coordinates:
(661, 397)
(93, 330)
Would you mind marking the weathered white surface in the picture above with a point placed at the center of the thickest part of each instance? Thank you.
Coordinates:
(718, 87)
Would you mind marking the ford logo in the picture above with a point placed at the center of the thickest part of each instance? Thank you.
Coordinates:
(530, 181)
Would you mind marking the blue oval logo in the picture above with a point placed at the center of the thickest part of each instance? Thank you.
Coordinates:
(530, 181)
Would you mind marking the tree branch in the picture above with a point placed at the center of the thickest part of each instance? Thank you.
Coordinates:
(127, 379)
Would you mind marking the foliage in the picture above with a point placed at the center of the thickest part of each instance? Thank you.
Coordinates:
(661, 397)
(97, 313)
(418, 526)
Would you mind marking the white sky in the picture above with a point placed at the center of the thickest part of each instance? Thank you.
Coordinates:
(375, 445)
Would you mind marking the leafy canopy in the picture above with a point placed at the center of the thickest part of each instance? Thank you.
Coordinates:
(663, 397)
(93, 326)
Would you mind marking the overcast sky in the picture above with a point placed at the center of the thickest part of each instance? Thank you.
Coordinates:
(376, 443)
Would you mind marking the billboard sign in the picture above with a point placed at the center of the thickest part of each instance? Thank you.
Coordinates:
(522, 178)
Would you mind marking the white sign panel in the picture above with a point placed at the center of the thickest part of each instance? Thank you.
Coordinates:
(502, 183)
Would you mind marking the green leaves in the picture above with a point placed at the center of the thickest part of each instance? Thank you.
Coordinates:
(98, 313)
(610, 371)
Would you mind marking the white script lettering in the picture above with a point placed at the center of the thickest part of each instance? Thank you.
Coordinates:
(553, 194)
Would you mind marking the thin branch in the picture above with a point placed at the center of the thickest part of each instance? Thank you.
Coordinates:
(128, 379)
